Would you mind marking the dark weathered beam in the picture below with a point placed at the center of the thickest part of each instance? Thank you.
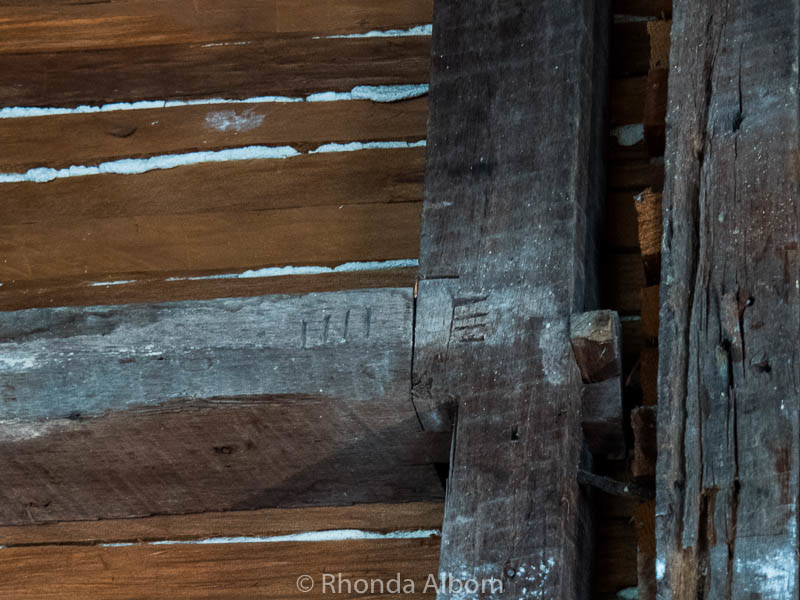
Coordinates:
(119, 411)
(729, 380)
(513, 186)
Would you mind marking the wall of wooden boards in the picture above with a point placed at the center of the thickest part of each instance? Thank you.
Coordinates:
(171, 233)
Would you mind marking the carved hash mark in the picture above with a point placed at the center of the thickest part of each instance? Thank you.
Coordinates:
(469, 323)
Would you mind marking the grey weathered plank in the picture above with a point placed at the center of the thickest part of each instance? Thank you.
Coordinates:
(729, 376)
(513, 185)
(118, 411)
(63, 361)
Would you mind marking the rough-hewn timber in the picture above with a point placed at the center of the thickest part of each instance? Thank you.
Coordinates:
(729, 397)
(512, 190)
(210, 405)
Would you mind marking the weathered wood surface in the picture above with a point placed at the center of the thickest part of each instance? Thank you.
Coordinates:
(511, 195)
(211, 405)
(59, 141)
(287, 65)
(375, 518)
(729, 403)
(34, 26)
(214, 571)
(596, 339)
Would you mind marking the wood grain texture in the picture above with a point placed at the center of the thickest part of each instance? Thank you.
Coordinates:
(251, 187)
(59, 141)
(211, 571)
(64, 361)
(63, 25)
(178, 243)
(378, 518)
(512, 191)
(322, 210)
(729, 429)
(286, 65)
(114, 412)
(45, 293)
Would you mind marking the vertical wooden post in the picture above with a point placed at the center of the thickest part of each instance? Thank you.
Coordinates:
(513, 189)
(729, 380)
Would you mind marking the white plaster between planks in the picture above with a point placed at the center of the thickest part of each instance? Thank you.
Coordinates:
(349, 267)
(419, 30)
(308, 536)
(136, 166)
(377, 93)
(629, 135)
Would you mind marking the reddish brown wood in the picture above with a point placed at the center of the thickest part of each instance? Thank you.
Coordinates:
(59, 141)
(379, 518)
(78, 292)
(61, 25)
(283, 65)
(213, 571)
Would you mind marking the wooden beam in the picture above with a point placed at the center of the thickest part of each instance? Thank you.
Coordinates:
(513, 188)
(729, 398)
(133, 410)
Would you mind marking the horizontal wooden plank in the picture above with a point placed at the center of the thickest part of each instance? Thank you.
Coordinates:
(159, 222)
(379, 518)
(212, 571)
(310, 181)
(234, 240)
(81, 292)
(44, 25)
(275, 401)
(221, 455)
(209, 220)
(61, 362)
(59, 141)
(286, 65)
